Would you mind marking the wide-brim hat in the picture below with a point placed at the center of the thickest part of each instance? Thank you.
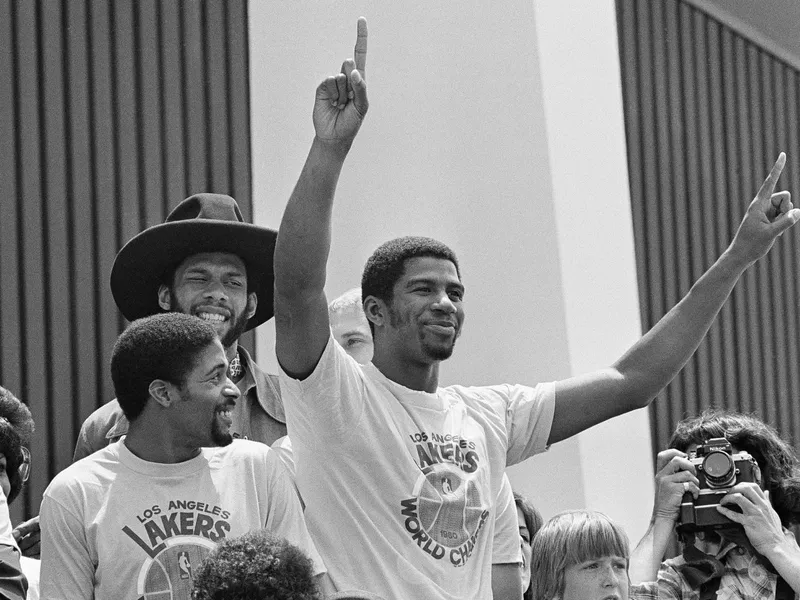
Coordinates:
(201, 223)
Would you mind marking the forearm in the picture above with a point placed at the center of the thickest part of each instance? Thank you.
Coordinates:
(785, 557)
(649, 552)
(305, 229)
(656, 358)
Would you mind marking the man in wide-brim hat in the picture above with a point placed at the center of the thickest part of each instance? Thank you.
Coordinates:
(204, 260)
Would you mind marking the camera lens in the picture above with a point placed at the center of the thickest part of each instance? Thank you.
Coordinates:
(719, 468)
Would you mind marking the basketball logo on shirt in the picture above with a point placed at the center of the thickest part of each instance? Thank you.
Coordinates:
(446, 513)
(168, 576)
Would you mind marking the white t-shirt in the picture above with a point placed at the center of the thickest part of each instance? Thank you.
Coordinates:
(119, 527)
(506, 548)
(400, 486)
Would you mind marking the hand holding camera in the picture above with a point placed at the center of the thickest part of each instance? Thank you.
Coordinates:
(675, 477)
(718, 470)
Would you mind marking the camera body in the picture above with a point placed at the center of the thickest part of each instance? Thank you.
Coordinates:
(718, 470)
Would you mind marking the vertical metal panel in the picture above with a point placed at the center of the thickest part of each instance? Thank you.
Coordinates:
(706, 112)
(111, 113)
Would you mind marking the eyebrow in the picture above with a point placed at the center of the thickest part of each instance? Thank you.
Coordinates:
(431, 280)
(216, 368)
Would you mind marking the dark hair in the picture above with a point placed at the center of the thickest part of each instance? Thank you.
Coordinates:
(16, 430)
(163, 346)
(533, 523)
(780, 470)
(256, 565)
(387, 264)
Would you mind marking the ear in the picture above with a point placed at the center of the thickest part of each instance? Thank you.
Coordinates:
(252, 305)
(159, 391)
(376, 310)
(164, 300)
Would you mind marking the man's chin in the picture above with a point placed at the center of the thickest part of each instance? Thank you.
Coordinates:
(220, 439)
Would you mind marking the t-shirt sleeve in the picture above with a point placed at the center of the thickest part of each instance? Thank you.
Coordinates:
(529, 418)
(285, 517)
(330, 400)
(67, 568)
(506, 542)
(644, 591)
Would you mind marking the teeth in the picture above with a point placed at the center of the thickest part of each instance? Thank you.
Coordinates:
(225, 413)
(214, 317)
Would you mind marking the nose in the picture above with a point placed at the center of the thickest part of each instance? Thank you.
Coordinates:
(611, 577)
(230, 390)
(215, 291)
(445, 303)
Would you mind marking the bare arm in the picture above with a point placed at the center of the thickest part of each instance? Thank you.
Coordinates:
(304, 237)
(652, 362)
(674, 470)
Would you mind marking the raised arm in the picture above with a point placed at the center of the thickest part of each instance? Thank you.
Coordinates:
(304, 237)
(652, 362)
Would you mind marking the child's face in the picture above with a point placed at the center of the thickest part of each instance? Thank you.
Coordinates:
(598, 579)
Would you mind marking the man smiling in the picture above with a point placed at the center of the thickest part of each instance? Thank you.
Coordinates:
(204, 260)
(400, 471)
(137, 518)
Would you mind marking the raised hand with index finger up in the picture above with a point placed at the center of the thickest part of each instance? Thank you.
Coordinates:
(341, 100)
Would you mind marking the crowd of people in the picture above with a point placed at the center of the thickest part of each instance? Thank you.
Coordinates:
(352, 473)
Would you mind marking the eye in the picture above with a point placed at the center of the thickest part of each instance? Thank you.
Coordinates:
(455, 296)
(235, 283)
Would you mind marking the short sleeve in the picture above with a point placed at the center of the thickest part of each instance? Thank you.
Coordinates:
(529, 418)
(330, 400)
(285, 517)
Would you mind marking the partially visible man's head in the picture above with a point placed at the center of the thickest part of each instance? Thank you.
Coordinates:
(350, 326)
(256, 565)
(212, 286)
(578, 555)
(780, 470)
(164, 347)
(16, 429)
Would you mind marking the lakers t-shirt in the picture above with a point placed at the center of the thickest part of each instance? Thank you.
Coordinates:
(401, 486)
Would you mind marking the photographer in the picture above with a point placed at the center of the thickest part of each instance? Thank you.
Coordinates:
(754, 556)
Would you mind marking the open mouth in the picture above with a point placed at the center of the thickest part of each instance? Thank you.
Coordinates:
(212, 317)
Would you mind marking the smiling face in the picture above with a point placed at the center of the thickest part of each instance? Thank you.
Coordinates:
(425, 314)
(597, 579)
(212, 286)
(206, 397)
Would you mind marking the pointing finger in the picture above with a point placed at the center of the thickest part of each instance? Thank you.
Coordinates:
(765, 192)
(360, 51)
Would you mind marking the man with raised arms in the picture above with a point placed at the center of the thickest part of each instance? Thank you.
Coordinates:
(398, 474)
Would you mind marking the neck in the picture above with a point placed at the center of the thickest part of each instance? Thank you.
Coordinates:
(422, 377)
(230, 351)
(151, 440)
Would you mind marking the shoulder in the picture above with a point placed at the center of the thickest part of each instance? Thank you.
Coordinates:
(103, 419)
(94, 470)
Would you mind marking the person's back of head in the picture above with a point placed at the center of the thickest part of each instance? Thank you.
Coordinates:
(256, 566)
(569, 539)
(162, 346)
(778, 462)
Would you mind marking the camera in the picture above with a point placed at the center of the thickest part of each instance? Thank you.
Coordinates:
(718, 470)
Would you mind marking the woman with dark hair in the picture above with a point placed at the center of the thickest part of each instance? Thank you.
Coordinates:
(743, 549)
(530, 521)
